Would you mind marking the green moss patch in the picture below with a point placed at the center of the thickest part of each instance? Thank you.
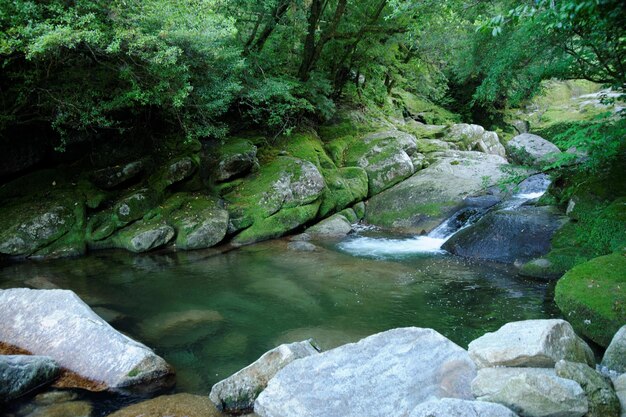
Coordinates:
(592, 296)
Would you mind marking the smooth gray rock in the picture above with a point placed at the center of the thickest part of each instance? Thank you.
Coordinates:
(615, 355)
(619, 384)
(20, 374)
(404, 140)
(199, 222)
(422, 202)
(475, 138)
(452, 407)
(57, 323)
(237, 393)
(387, 374)
(335, 226)
(532, 394)
(521, 126)
(599, 390)
(509, 236)
(490, 381)
(532, 149)
(530, 343)
(143, 236)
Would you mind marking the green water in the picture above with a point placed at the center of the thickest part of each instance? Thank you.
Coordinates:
(247, 301)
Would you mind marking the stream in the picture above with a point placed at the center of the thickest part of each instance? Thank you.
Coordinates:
(209, 314)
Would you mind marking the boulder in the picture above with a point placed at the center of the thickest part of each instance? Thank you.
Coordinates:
(199, 222)
(530, 343)
(426, 146)
(619, 384)
(135, 205)
(178, 170)
(599, 390)
(386, 374)
(177, 405)
(475, 138)
(111, 177)
(490, 381)
(237, 393)
(336, 225)
(615, 355)
(30, 225)
(406, 141)
(386, 163)
(422, 202)
(21, 374)
(452, 407)
(280, 197)
(235, 158)
(591, 296)
(521, 126)
(532, 150)
(143, 236)
(58, 324)
(508, 236)
(532, 394)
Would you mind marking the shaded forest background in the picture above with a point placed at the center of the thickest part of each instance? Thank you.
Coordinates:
(85, 70)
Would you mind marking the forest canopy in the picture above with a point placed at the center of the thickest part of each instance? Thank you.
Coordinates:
(200, 67)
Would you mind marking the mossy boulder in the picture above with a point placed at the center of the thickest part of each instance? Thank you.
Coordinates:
(423, 201)
(344, 185)
(287, 189)
(422, 110)
(279, 224)
(475, 138)
(143, 236)
(384, 157)
(198, 219)
(236, 157)
(42, 214)
(592, 296)
(113, 176)
(134, 205)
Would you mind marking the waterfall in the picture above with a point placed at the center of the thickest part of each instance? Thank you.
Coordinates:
(530, 189)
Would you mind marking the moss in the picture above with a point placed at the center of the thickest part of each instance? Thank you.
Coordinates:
(592, 296)
(344, 186)
(423, 109)
(278, 224)
(424, 131)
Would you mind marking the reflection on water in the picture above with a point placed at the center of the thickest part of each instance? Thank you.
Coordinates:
(210, 315)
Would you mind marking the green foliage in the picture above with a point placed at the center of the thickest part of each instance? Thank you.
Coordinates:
(94, 65)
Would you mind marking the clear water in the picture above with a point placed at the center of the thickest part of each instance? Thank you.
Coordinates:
(268, 294)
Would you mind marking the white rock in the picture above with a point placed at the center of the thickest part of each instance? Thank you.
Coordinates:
(615, 355)
(538, 394)
(57, 323)
(236, 394)
(531, 343)
(619, 384)
(387, 374)
(452, 407)
(490, 381)
(532, 149)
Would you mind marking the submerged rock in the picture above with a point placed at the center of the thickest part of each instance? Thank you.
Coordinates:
(532, 149)
(20, 374)
(64, 409)
(177, 405)
(615, 355)
(237, 393)
(58, 324)
(600, 394)
(530, 343)
(386, 374)
(182, 327)
(452, 407)
(422, 202)
(508, 235)
(532, 394)
(592, 295)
